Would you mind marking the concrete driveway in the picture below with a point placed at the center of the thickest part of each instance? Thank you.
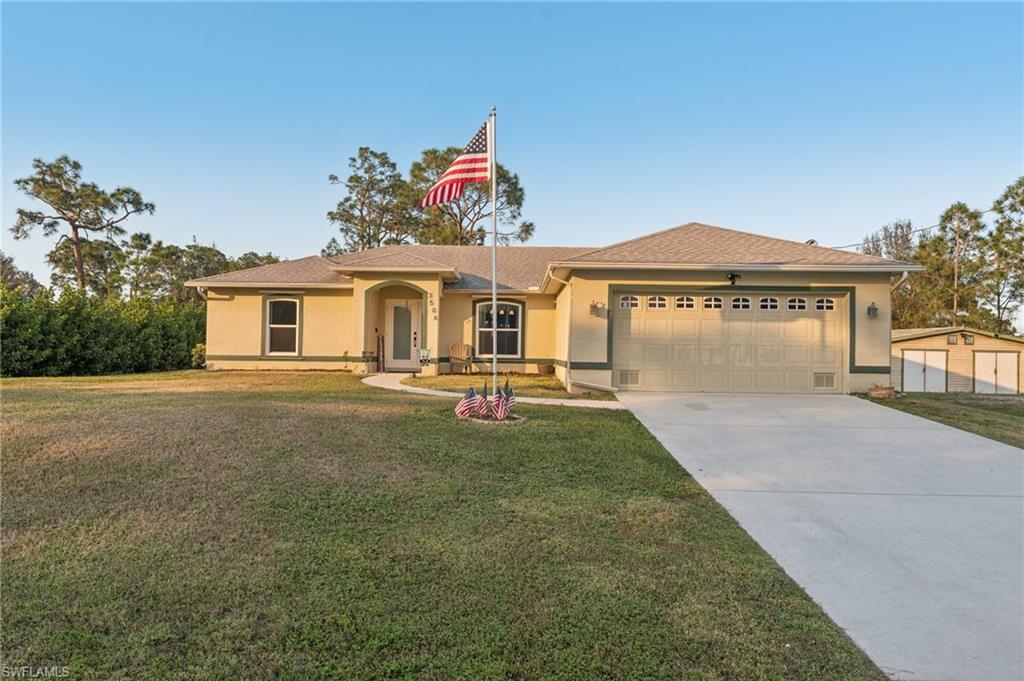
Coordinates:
(907, 532)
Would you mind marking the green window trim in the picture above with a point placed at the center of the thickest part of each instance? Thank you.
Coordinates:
(265, 301)
(521, 346)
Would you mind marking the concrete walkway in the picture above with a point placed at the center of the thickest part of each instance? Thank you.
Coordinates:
(907, 532)
(394, 382)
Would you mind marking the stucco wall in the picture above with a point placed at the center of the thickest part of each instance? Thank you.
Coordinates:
(870, 337)
(960, 360)
(456, 325)
(235, 326)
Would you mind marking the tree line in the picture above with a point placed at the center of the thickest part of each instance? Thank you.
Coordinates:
(974, 269)
(381, 207)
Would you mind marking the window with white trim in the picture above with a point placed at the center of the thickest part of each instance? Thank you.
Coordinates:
(796, 304)
(824, 304)
(768, 303)
(712, 303)
(684, 302)
(657, 302)
(741, 303)
(510, 329)
(627, 302)
(282, 336)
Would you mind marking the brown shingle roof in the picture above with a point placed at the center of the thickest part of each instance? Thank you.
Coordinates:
(910, 334)
(312, 271)
(519, 267)
(699, 244)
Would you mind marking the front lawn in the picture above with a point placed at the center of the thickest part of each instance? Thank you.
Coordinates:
(304, 525)
(998, 417)
(524, 385)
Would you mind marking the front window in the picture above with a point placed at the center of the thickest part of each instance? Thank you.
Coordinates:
(510, 327)
(282, 326)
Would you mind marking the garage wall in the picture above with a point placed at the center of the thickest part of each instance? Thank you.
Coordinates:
(960, 367)
(871, 337)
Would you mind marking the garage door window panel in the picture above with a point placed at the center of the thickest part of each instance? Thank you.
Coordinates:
(796, 304)
(741, 303)
(768, 304)
(712, 303)
(684, 303)
(824, 304)
(657, 302)
(629, 302)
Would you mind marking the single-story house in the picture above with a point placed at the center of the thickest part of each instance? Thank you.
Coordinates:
(691, 308)
(956, 359)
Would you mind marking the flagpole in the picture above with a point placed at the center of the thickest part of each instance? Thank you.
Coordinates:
(492, 119)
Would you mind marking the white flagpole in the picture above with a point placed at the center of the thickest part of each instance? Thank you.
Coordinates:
(492, 119)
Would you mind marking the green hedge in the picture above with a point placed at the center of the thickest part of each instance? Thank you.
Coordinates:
(75, 334)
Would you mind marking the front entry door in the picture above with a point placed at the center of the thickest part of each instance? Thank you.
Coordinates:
(402, 335)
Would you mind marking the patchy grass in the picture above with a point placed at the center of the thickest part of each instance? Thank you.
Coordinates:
(995, 416)
(304, 525)
(525, 385)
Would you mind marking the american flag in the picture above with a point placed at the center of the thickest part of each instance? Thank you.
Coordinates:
(472, 165)
(466, 405)
(481, 402)
(500, 406)
(510, 396)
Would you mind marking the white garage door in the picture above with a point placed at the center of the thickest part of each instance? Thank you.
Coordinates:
(996, 373)
(728, 342)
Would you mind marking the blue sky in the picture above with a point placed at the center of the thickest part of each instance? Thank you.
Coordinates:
(796, 120)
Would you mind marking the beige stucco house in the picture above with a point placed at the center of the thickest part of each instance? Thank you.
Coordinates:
(956, 359)
(692, 308)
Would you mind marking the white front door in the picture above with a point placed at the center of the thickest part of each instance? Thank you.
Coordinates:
(996, 373)
(924, 371)
(402, 335)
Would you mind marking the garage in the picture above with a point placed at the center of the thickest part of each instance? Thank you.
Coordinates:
(729, 341)
(956, 359)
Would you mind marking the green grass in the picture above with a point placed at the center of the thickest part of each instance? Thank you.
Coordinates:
(997, 417)
(304, 525)
(525, 385)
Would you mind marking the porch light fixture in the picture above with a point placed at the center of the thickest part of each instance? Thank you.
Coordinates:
(872, 310)
(597, 307)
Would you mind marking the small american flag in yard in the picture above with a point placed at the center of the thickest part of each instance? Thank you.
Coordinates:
(500, 406)
(510, 396)
(466, 405)
(472, 165)
(481, 402)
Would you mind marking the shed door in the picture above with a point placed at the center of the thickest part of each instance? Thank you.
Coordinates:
(924, 371)
(996, 373)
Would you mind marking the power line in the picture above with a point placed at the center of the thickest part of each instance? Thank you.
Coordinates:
(913, 231)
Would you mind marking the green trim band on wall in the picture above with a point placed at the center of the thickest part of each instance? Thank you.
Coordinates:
(283, 358)
(850, 291)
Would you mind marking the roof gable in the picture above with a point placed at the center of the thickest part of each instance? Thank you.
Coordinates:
(698, 244)
(899, 335)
